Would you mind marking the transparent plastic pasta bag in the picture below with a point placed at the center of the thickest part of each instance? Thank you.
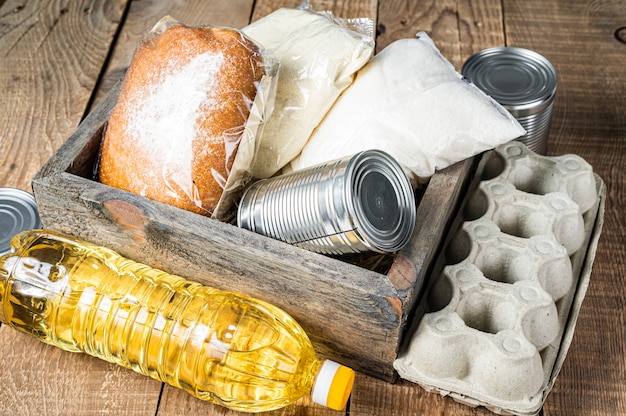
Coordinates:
(319, 55)
(410, 102)
(190, 106)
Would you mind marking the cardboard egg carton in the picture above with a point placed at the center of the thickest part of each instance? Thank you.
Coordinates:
(496, 323)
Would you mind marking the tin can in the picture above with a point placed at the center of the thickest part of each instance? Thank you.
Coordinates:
(18, 212)
(363, 203)
(522, 81)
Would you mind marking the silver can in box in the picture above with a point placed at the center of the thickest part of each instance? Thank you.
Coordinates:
(522, 81)
(363, 203)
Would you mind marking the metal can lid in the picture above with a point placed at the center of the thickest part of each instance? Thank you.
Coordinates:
(522, 81)
(383, 204)
(18, 212)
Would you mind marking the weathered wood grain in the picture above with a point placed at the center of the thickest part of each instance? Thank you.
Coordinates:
(143, 15)
(459, 28)
(589, 119)
(375, 397)
(43, 380)
(578, 36)
(51, 55)
(342, 9)
(176, 402)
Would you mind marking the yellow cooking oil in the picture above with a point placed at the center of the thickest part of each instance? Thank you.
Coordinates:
(223, 347)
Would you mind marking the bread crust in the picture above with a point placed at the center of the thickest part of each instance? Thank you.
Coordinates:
(182, 108)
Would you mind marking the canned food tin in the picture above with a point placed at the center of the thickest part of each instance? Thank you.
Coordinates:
(18, 212)
(523, 82)
(356, 204)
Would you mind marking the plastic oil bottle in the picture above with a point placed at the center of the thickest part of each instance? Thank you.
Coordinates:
(223, 347)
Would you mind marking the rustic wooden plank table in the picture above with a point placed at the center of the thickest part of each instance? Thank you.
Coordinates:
(59, 58)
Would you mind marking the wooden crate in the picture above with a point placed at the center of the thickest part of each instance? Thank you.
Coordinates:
(352, 315)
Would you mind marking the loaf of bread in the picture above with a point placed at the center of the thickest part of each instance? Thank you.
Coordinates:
(174, 132)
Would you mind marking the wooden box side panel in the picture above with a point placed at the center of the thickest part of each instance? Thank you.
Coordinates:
(413, 264)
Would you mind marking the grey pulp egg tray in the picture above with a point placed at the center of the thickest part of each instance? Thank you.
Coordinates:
(497, 321)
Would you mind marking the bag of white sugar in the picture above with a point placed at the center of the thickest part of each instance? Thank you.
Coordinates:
(410, 102)
(318, 55)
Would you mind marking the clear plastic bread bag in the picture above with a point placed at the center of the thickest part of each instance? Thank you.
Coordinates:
(318, 55)
(190, 107)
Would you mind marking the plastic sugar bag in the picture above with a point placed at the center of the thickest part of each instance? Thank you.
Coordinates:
(410, 102)
(318, 56)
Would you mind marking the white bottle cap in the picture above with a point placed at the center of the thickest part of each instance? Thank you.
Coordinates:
(333, 385)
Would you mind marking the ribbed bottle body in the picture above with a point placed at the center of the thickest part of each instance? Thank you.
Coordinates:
(220, 346)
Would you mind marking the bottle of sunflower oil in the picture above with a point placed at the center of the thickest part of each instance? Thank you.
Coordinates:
(223, 347)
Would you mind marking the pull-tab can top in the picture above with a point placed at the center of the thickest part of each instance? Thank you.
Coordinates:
(522, 81)
(18, 212)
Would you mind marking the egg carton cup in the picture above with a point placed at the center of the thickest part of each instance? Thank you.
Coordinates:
(494, 327)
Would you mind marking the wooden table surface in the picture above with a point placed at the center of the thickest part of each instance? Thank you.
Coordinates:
(58, 58)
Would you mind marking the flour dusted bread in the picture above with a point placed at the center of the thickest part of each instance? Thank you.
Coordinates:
(182, 109)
